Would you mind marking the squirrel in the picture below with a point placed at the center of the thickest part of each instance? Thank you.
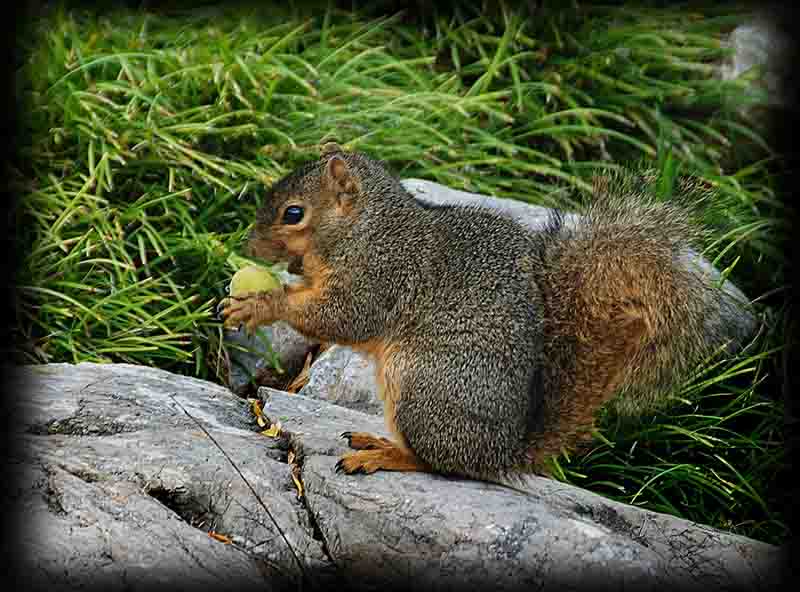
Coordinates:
(494, 345)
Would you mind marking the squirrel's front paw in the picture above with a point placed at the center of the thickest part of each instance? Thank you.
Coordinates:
(250, 310)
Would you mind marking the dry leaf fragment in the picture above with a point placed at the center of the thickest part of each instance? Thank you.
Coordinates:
(255, 407)
(220, 537)
(273, 432)
(296, 479)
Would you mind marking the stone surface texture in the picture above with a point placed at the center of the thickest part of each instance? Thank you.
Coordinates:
(118, 488)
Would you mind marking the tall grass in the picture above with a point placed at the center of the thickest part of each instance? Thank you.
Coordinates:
(152, 136)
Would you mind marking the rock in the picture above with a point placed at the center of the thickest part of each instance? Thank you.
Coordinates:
(532, 216)
(251, 357)
(760, 43)
(345, 377)
(119, 488)
(431, 531)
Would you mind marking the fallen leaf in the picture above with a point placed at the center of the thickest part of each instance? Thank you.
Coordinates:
(255, 407)
(273, 432)
(296, 479)
(220, 537)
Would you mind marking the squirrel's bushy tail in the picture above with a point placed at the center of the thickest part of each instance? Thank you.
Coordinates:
(627, 304)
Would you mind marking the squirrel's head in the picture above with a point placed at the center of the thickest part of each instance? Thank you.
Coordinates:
(314, 206)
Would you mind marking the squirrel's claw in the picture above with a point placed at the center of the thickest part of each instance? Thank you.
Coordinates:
(351, 466)
(225, 307)
(220, 308)
(341, 468)
(252, 310)
(235, 311)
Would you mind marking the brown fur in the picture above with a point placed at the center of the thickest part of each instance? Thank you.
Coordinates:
(378, 453)
(494, 346)
(388, 383)
(365, 441)
(388, 458)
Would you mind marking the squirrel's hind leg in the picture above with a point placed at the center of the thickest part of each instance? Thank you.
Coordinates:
(602, 363)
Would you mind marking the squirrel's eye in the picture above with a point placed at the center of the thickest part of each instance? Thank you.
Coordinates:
(292, 215)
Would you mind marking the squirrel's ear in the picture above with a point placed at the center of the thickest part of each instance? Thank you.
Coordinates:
(340, 176)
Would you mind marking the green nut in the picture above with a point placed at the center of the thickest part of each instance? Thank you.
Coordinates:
(252, 279)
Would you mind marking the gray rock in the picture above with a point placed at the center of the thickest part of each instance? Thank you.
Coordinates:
(760, 44)
(251, 357)
(119, 488)
(429, 531)
(529, 215)
(345, 377)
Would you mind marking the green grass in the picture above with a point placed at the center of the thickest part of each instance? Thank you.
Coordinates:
(150, 138)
